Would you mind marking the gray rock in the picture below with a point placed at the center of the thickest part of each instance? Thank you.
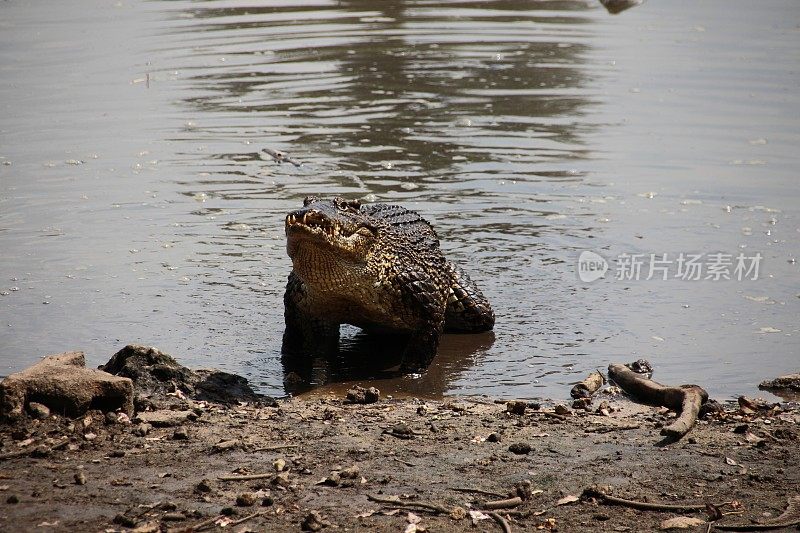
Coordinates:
(155, 373)
(64, 384)
(789, 381)
(38, 410)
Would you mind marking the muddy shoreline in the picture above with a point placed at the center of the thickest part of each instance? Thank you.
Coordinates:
(185, 464)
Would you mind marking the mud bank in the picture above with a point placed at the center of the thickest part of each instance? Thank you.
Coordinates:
(184, 462)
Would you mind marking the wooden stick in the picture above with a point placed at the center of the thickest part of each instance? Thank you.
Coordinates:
(396, 502)
(516, 501)
(275, 447)
(502, 521)
(687, 398)
(788, 518)
(757, 527)
(245, 519)
(643, 506)
(246, 477)
(588, 386)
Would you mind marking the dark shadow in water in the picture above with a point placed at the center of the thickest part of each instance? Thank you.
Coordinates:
(375, 358)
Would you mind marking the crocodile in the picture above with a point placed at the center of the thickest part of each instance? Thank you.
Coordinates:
(378, 267)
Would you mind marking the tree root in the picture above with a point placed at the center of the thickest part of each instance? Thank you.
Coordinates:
(642, 506)
(687, 399)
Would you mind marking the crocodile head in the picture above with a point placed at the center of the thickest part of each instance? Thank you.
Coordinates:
(326, 231)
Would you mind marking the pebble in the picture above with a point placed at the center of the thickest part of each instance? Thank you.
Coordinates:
(38, 410)
(125, 521)
(12, 499)
(246, 499)
(494, 437)
(80, 478)
(142, 430)
(516, 407)
(361, 395)
(562, 410)
(181, 434)
(204, 486)
(520, 448)
(314, 521)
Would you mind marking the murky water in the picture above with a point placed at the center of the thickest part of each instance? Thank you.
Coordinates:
(136, 205)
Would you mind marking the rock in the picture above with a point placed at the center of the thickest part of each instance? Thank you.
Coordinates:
(64, 384)
(124, 520)
(38, 410)
(246, 499)
(516, 407)
(180, 434)
(80, 478)
(12, 499)
(524, 489)
(225, 445)
(494, 437)
(227, 511)
(205, 485)
(267, 501)
(789, 381)
(155, 373)
(520, 448)
(582, 403)
(40, 451)
(682, 522)
(351, 472)
(163, 418)
(402, 431)
(641, 366)
(173, 517)
(363, 396)
(314, 521)
(562, 410)
(281, 480)
(142, 430)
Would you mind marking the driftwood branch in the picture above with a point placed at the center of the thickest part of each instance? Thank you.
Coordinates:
(246, 477)
(509, 503)
(687, 399)
(395, 501)
(642, 506)
(789, 518)
(502, 521)
(587, 387)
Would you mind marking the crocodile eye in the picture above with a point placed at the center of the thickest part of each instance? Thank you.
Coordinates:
(309, 200)
(347, 205)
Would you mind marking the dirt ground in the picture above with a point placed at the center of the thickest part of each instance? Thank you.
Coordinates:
(324, 463)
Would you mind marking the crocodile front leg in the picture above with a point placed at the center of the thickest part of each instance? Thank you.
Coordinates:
(421, 349)
(306, 332)
(422, 292)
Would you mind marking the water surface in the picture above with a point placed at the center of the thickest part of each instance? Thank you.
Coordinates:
(136, 205)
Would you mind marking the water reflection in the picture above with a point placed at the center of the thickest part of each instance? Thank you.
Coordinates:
(438, 107)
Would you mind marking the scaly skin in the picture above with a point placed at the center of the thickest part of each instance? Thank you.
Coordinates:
(378, 267)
